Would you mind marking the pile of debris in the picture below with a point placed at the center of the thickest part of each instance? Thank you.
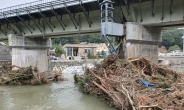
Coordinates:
(58, 77)
(22, 76)
(136, 84)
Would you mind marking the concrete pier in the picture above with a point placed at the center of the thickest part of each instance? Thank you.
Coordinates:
(30, 51)
(4, 52)
(142, 41)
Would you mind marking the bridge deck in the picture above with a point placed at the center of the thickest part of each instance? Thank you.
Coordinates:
(43, 6)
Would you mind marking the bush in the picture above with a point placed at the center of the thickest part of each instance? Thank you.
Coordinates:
(175, 47)
(90, 56)
(58, 50)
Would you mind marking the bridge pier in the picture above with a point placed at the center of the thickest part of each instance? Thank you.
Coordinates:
(30, 51)
(142, 41)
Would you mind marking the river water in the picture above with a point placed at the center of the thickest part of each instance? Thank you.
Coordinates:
(63, 95)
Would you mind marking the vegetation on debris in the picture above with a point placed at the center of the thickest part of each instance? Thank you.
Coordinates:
(136, 84)
(22, 76)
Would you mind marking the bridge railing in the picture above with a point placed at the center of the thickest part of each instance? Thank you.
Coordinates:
(34, 7)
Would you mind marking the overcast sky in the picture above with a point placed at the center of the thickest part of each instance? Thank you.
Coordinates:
(8, 3)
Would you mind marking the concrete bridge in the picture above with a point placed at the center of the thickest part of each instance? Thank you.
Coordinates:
(136, 24)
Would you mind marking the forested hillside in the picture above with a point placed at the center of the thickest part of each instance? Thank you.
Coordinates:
(96, 38)
(172, 38)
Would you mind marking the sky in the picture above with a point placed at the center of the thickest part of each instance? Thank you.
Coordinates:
(8, 3)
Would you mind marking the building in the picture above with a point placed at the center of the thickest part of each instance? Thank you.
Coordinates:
(4, 52)
(82, 49)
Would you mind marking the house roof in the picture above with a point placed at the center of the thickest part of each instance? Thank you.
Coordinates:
(90, 45)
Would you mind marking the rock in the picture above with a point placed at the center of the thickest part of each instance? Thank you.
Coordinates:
(15, 68)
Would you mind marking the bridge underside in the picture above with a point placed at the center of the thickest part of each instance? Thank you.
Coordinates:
(54, 19)
(159, 14)
(58, 18)
(141, 22)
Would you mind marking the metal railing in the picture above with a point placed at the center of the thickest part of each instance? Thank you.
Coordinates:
(35, 6)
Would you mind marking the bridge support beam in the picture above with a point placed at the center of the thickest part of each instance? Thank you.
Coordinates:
(142, 41)
(30, 51)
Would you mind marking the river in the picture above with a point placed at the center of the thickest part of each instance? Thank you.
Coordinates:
(63, 95)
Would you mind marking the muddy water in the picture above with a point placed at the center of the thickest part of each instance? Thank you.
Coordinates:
(55, 96)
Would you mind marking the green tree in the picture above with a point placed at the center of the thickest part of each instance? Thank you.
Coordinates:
(175, 47)
(98, 54)
(96, 38)
(90, 56)
(103, 52)
(58, 49)
(172, 37)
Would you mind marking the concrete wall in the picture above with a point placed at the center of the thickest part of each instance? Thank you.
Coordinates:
(82, 51)
(26, 57)
(4, 53)
(142, 41)
(173, 60)
(18, 41)
(30, 51)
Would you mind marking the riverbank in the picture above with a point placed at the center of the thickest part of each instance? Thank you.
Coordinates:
(63, 95)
